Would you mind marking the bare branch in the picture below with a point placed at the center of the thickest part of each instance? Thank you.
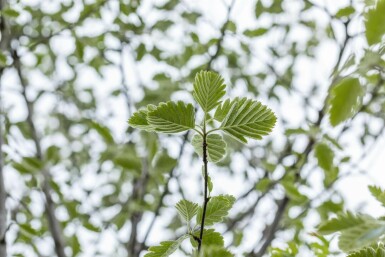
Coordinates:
(53, 223)
(3, 194)
(221, 38)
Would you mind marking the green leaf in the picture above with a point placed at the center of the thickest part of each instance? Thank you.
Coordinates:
(248, 118)
(29, 229)
(172, 117)
(345, 100)
(210, 237)
(292, 192)
(341, 222)
(223, 109)
(165, 248)
(103, 131)
(356, 230)
(139, 119)
(52, 154)
(3, 60)
(361, 235)
(210, 185)
(209, 88)
(163, 162)
(216, 146)
(215, 251)
(10, 13)
(140, 52)
(369, 252)
(324, 156)
(186, 209)
(91, 227)
(217, 209)
(255, 32)
(378, 193)
(28, 165)
(374, 23)
(345, 12)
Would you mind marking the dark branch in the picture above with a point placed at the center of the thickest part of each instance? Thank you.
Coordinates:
(53, 223)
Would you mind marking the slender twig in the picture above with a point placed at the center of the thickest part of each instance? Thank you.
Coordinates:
(270, 232)
(165, 193)
(250, 211)
(53, 222)
(172, 171)
(125, 88)
(69, 26)
(3, 195)
(321, 114)
(206, 179)
(137, 194)
(221, 37)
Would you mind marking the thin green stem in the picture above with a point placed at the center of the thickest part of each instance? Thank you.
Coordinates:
(199, 132)
(212, 130)
(206, 178)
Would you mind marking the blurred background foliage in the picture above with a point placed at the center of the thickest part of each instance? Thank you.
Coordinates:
(80, 182)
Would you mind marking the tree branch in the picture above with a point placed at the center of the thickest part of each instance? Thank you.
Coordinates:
(164, 194)
(221, 38)
(53, 223)
(139, 190)
(3, 194)
(270, 230)
(206, 179)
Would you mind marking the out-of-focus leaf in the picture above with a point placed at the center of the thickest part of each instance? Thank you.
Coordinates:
(345, 99)
(378, 193)
(375, 20)
(345, 12)
(255, 32)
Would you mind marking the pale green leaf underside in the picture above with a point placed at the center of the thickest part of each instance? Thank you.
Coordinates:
(210, 237)
(357, 231)
(209, 88)
(345, 99)
(172, 117)
(378, 193)
(223, 109)
(216, 251)
(216, 146)
(217, 209)
(247, 118)
(362, 235)
(341, 222)
(165, 248)
(186, 209)
(369, 252)
(375, 23)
